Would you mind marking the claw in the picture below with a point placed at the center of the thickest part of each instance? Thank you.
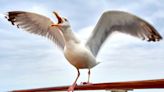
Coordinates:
(85, 83)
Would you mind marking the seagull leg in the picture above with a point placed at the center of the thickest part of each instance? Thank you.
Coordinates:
(84, 83)
(89, 73)
(71, 88)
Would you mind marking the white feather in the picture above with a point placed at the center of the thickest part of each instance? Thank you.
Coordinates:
(37, 24)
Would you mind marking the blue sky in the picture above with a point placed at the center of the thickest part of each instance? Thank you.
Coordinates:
(30, 61)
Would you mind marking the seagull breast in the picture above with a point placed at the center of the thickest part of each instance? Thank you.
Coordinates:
(79, 56)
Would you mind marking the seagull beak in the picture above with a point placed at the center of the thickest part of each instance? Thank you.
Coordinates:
(59, 20)
(58, 17)
(56, 25)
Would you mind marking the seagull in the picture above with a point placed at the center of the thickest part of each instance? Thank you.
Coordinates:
(83, 55)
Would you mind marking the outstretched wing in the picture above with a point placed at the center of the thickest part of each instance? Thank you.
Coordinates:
(37, 24)
(124, 22)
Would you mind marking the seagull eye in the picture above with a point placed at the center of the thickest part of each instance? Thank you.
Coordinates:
(65, 19)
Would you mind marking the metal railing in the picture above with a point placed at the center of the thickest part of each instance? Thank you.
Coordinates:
(113, 86)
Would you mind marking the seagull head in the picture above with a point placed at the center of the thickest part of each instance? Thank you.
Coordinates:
(62, 24)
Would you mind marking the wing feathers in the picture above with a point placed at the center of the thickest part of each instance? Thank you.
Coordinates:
(124, 22)
(37, 24)
(153, 34)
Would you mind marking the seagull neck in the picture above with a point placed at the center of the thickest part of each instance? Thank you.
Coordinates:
(70, 36)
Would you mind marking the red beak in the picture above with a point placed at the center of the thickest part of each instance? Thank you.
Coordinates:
(58, 17)
(59, 20)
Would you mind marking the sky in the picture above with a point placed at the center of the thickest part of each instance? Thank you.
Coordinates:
(31, 61)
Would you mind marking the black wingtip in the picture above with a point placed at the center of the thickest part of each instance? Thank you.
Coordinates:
(153, 36)
(11, 16)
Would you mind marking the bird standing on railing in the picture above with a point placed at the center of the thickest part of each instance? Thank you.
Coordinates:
(83, 55)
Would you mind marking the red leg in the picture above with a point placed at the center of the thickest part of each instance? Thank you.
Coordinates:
(71, 88)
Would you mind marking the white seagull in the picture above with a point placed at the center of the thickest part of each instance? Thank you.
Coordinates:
(83, 55)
